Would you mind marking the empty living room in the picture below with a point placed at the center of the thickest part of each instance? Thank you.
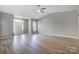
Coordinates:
(39, 29)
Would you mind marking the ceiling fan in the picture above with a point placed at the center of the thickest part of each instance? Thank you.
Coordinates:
(42, 10)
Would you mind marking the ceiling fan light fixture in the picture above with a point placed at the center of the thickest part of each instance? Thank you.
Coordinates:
(38, 10)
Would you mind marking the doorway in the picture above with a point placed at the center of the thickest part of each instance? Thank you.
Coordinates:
(35, 26)
(18, 26)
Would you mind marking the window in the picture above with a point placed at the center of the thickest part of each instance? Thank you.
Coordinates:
(18, 26)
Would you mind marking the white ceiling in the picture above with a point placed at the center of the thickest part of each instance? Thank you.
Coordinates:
(29, 11)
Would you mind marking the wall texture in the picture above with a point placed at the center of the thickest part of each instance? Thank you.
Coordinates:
(0, 23)
(78, 25)
(6, 27)
(59, 24)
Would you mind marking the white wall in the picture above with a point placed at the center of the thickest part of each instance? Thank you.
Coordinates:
(78, 25)
(0, 24)
(6, 27)
(6, 24)
(59, 24)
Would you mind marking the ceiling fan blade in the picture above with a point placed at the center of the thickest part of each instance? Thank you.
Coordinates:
(42, 8)
(42, 11)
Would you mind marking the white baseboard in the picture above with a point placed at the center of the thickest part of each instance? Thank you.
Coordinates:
(63, 36)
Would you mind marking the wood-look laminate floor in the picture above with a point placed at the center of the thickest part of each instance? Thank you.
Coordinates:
(38, 44)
